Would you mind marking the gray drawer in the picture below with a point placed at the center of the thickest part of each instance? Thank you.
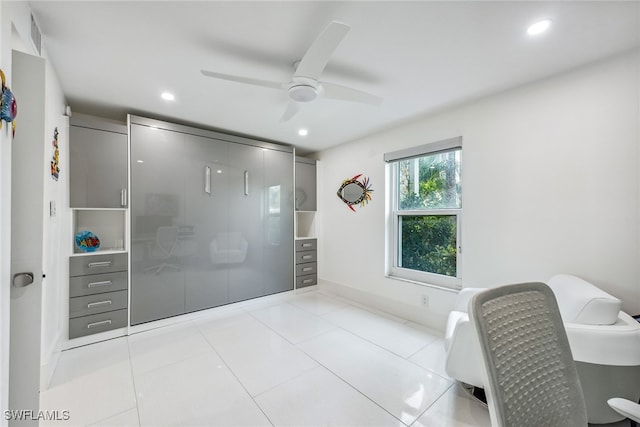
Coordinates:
(304, 281)
(96, 264)
(308, 268)
(98, 303)
(306, 245)
(306, 256)
(87, 325)
(97, 283)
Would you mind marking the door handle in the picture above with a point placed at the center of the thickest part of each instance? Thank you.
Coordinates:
(20, 280)
(123, 198)
(207, 180)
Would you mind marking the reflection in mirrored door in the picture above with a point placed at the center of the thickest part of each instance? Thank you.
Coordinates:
(277, 220)
(157, 212)
(245, 222)
(205, 242)
(211, 221)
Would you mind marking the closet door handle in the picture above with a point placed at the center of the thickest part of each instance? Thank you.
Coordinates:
(207, 180)
(246, 183)
(123, 198)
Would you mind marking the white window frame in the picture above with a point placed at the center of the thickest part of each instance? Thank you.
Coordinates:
(393, 270)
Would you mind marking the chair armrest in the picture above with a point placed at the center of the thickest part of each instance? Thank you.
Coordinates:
(464, 361)
(625, 407)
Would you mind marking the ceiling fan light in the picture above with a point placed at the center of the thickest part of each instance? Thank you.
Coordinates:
(303, 93)
(539, 27)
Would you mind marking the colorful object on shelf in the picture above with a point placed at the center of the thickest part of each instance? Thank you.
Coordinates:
(8, 105)
(354, 191)
(86, 241)
(55, 161)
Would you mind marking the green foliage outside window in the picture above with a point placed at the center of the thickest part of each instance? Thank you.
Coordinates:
(429, 241)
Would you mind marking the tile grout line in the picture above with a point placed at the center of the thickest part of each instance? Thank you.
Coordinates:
(234, 376)
(432, 404)
(133, 380)
(353, 387)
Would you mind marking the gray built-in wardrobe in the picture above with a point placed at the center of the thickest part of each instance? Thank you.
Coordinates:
(211, 219)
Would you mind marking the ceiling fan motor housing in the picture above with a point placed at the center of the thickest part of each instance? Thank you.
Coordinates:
(303, 92)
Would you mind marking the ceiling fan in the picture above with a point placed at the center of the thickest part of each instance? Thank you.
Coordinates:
(305, 85)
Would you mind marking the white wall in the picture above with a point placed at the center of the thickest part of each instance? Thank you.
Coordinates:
(5, 224)
(57, 229)
(16, 16)
(550, 185)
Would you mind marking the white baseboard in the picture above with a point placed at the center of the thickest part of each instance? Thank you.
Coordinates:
(431, 319)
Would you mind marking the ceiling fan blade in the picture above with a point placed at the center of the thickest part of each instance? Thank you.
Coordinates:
(292, 110)
(246, 80)
(318, 54)
(344, 93)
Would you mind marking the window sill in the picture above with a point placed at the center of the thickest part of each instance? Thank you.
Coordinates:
(428, 285)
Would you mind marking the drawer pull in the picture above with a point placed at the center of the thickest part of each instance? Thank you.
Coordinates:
(96, 284)
(307, 269)
(99, 303)
(307, 245)
(99, 264)
(96, 324)
(307, 256)
(305, 281)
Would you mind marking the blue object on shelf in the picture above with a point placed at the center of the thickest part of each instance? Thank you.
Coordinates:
(86, 241)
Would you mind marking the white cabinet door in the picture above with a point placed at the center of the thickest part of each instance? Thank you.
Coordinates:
(98, 168)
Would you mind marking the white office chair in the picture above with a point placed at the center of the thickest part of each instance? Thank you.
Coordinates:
(605, 343)
(163, 249)
(530, 376)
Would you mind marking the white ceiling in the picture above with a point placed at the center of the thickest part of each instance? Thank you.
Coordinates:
(421, 56)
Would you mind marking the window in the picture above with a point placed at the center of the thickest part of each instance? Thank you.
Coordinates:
(426, 208)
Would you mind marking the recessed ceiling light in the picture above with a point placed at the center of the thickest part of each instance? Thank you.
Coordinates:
(303, 132)
(168, 96)
(140, 161)
(539, 27)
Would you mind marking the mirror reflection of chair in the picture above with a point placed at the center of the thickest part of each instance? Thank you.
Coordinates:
(164, 249)
(228, 248)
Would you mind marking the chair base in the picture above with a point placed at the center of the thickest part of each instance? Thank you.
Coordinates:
(476, 393)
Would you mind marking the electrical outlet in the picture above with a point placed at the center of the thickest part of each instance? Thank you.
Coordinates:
(425, 301)
(52, 208)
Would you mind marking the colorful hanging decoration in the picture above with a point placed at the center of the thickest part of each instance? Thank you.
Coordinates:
(55, 161)
(354, 191)
(8, 106)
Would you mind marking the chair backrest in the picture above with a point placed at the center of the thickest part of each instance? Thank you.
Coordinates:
(531, 376)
